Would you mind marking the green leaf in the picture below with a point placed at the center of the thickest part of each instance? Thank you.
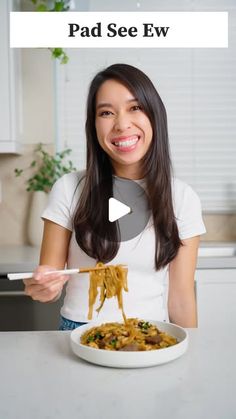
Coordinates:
(41, 8)
(59, 6)
(46, 168)
(18, 172)
(64, 59)
(56, 52)
(113, 342)
(59, 54)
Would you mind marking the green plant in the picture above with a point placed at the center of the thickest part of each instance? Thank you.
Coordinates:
(51, 5)
(54, 6)
(47, 169)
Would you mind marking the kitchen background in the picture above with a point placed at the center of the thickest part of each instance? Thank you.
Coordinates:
(43, 101)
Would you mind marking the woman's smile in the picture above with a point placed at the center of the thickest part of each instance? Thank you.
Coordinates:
(126, 143)
(123, 129)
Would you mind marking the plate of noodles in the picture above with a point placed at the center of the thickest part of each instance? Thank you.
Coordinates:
(132, 344)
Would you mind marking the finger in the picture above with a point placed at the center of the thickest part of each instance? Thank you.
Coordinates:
(36, 288)
(43, 294)
(44, 278)
(30, 281)
(48, 294)
(53, 278)
(41, 270)
(35, 280)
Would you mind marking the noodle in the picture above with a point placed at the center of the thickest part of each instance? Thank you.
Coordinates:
(134, 335)
(111, 282)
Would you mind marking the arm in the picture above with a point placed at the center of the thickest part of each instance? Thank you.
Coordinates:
(181, 298)
(55, 244)
(53, 255)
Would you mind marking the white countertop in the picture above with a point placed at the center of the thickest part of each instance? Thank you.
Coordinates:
(41, 378)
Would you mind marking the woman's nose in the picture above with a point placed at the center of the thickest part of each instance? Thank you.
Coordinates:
(122, 122)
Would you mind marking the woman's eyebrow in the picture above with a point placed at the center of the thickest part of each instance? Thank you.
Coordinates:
(109, 105)
(104, 104)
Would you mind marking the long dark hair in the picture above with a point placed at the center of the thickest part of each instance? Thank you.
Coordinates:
(94, 233)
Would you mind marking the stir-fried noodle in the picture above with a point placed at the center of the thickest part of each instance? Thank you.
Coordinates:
(134, 335)
(111, 282)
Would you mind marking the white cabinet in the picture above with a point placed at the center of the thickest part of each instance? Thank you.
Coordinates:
(216, 297)
(10, 86)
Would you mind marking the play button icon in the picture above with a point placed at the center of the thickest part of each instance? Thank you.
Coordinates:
(117, 209)
(121, 209)
(128, 208)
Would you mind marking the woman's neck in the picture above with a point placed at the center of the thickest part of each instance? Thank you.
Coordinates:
(127, 172)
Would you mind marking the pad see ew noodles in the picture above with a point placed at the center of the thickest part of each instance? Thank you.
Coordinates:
(111, 280)
(133, 335)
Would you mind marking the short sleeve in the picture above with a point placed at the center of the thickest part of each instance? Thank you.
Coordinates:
(188, 211)
(60, 201)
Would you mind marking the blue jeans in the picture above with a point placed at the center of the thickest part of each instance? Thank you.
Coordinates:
(66, 324)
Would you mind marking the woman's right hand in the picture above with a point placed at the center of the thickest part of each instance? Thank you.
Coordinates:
(45, 288)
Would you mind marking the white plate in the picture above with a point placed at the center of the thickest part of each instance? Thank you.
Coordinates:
(123, 359)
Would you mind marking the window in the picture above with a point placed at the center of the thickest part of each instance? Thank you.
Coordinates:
(198, 88)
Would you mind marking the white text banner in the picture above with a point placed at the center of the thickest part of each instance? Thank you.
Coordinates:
(119, 29)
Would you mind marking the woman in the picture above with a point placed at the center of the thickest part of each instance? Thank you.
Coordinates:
(127, 139)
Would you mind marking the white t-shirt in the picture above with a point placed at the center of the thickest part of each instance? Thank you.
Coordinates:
(146, 298)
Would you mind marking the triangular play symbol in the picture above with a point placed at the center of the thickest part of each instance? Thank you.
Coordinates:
(117, 209)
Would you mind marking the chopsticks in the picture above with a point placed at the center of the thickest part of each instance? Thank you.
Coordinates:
(28, 275)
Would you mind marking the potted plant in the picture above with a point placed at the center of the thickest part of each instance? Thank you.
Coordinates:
(47, 168)
(54, 6)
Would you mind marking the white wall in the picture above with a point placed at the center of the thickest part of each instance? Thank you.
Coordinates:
(38, 96)
(198, 87)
